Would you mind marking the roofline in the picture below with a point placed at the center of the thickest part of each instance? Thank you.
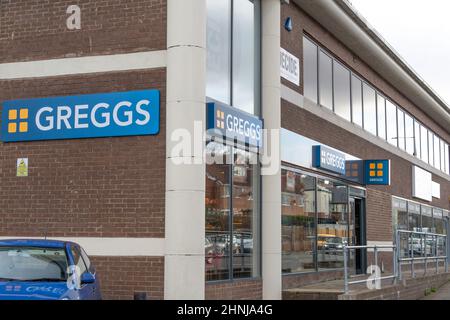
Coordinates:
(345, 23)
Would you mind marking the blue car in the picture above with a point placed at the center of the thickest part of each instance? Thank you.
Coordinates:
(46, 270)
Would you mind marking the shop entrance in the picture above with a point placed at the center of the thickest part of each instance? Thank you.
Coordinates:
(357, 213)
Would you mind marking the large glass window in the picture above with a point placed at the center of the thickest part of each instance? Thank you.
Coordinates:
(447, 163)
(244, 55)
(414, 221)
(218, 42)
(417, 139)
(399, 215)
(298, 222)
(401, 129)
(381, 114)
(218, 204)
(232, 219)
(357, 108)
(370, 109)
(447, 159)
(332, 227)
(325, 80)
(233, 53)
(437, 152)
(430, 148)
(443, 156)
(424, 143)
(427, 219)
(391, 119)
(409, 134)
(439, 224)
(334, 86)
(310, 69)
(341, 85)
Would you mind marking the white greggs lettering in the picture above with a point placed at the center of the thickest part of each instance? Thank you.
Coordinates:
(122, 115)
(243, 127)
(333, 160)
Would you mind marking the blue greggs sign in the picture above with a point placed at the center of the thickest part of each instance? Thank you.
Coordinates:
(84, 116)
(327, 159)
(234, 124)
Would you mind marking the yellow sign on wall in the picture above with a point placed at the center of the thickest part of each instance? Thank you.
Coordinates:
(22, 167)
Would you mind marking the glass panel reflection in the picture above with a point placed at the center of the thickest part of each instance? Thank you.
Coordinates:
(332, 228)
(217, 206)
(298, 222)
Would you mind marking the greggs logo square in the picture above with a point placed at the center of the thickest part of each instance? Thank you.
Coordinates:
(83, 116)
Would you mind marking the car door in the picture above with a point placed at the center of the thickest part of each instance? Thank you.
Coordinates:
(86, 291)
(91, 269)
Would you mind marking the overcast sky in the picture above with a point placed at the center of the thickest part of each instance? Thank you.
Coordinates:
(419, 30)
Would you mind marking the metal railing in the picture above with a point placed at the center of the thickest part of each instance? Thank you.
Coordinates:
(421, 248)
(375, 250)
(418, 247)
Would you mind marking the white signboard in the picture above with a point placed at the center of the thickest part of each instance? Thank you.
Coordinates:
(436, 190)
(422, 184)
(289, 67)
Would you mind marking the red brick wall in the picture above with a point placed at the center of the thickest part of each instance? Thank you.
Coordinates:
(106, 187)
(236, 290)
(121, 277)
(303, 23)
(36, 29)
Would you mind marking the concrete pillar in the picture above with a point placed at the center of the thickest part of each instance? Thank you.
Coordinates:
(271, 185)
(184, 276)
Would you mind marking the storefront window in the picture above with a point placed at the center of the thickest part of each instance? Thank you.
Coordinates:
(232, 214)
(399, 215)
(233, 53)
(245, 219)
(332, 223)
(439, 224)
(414, 216)
(298, 222)
(427, 219)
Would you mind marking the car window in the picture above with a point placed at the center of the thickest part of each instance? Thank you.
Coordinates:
(86, 259)
(27, 263)
(78, 261)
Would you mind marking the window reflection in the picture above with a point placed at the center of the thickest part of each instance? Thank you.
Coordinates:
(298, 221)
(370, 111)
(332, 227)
(217, 204)
(310, 69)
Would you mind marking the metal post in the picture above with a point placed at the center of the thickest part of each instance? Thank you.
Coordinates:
(412, 255)
(399, 256)
(394, 263)
(436, 253)
(446, 254)
(345, 271)
(424, 244)
(375, 252)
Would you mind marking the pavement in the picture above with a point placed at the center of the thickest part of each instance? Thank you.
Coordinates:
(442, 294)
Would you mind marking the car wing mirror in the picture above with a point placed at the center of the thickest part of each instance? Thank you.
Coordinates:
(87, 278)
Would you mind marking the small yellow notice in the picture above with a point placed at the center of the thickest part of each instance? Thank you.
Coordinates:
(22, 167)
